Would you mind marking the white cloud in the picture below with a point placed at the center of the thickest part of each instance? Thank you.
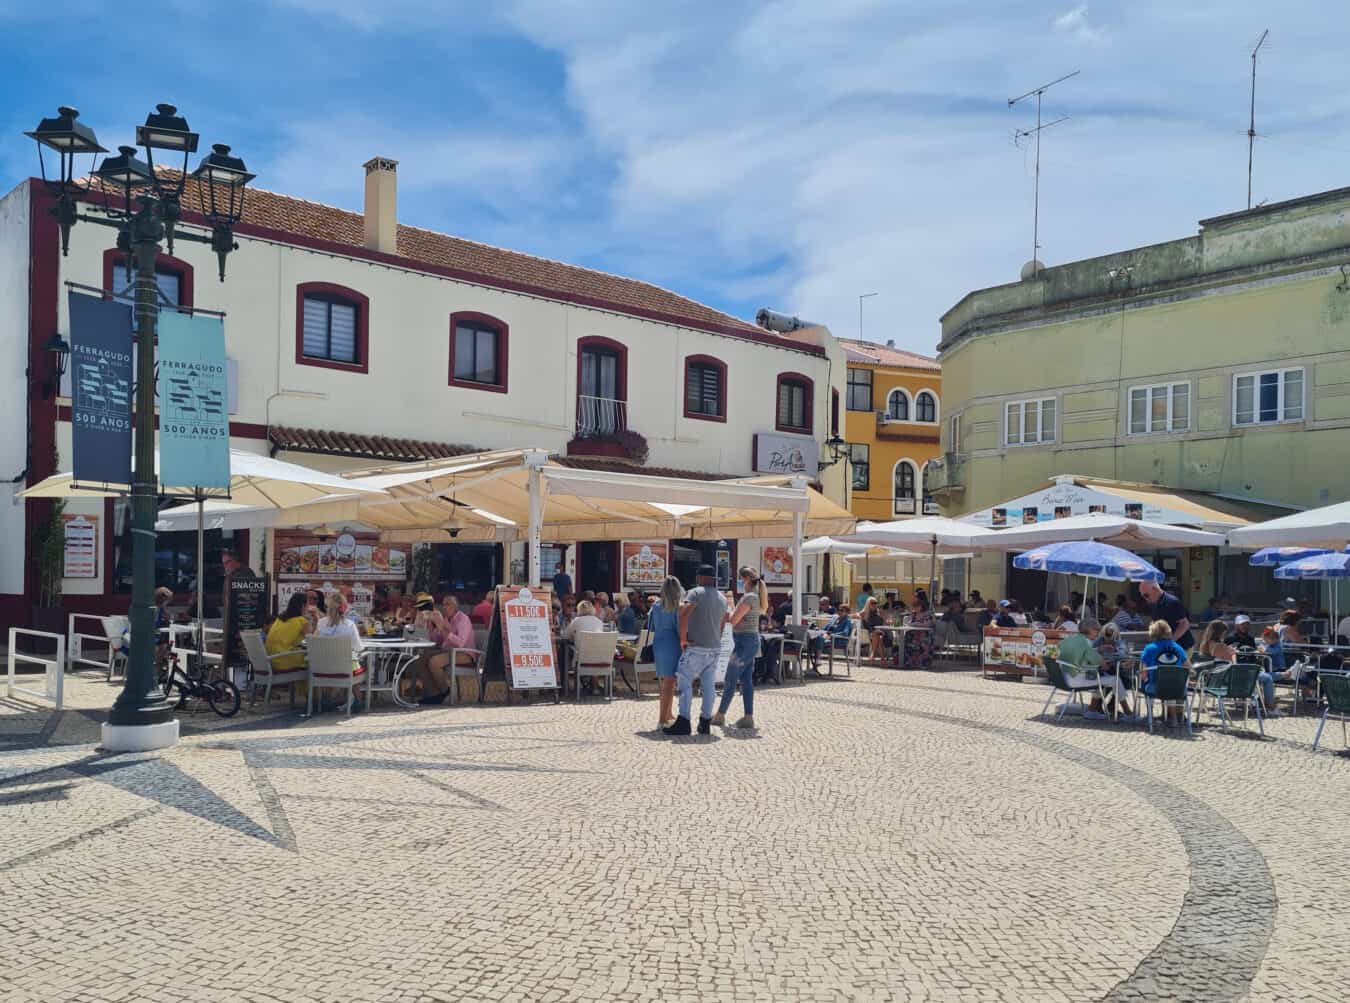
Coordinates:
(1075, 24)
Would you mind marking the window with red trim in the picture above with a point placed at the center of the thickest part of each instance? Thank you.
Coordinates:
(478, 352)
(173, 276)
(705, 388)
(602, 387)
(332, 325)
(793, 413)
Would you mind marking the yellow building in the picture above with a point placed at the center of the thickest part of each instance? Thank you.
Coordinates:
(893, 411)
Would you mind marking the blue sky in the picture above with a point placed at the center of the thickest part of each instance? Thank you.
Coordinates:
(791, 154)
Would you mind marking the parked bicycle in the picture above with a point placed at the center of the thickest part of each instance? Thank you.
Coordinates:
(221, 694)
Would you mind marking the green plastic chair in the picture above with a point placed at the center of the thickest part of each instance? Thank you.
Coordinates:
(1171, 684)
(1336, 688)
(1237, 682)
(1059, 682)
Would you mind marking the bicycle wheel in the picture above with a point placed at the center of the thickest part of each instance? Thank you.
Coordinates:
(223, 696)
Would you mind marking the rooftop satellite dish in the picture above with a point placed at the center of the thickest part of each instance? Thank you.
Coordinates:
(1032, 268)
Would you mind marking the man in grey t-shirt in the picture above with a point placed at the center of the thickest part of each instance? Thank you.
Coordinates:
(703, 614)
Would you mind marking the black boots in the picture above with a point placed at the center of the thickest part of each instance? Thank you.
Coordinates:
(681, 727)
(705, 726)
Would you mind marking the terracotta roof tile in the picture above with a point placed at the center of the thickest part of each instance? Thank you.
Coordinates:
(380, 447)
(488, 264)
(861, 351)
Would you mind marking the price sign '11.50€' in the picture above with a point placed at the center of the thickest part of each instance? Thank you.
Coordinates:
(527, 619)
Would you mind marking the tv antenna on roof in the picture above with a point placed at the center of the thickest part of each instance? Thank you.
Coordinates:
(1251, 124)
(1021, 134)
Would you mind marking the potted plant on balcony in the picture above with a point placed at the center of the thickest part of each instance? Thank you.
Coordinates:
(48, 552)
(623, 443)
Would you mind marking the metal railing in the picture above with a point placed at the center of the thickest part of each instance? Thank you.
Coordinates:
(600, 417)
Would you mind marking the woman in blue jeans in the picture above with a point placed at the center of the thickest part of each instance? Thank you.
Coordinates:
(745, 647)
(663, 620)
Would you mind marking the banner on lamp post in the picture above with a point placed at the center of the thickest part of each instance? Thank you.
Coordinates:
(100, 390)
(194, 420)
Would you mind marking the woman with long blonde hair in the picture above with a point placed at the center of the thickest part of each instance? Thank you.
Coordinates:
(745, 647)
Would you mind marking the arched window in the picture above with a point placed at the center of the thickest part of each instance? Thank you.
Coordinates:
(925, 407)
(793, 413)
(897, 405)
(478, 351)
(332, 325)
(902, 494)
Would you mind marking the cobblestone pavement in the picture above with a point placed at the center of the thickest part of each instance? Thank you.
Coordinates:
(894, 836)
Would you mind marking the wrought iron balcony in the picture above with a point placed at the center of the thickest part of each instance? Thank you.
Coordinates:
(600, 417)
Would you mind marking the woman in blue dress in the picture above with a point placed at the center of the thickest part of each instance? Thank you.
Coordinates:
(663, 620)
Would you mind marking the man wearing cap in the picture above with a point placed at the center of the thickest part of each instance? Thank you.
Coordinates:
(703, 614)
(1241, 638)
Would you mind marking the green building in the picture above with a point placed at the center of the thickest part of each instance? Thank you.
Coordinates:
(1216, 365)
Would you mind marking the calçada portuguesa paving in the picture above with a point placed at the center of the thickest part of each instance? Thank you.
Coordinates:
(894, 836)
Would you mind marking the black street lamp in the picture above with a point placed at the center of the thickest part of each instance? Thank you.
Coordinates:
(150, 210)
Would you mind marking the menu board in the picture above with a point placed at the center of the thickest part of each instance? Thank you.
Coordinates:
(81, 549)
(724, 651)
(352, 563)
(245, 609)
(646, 563)
(527, 638)
(775, 565)
(1018, 650)
(348, 554)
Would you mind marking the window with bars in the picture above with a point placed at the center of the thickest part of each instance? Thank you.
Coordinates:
(1269, 397)
(330, 325)
(859, 462)
(478, 353)
(1030, 422)
(897, 406)
(925, 407)
(859, 390)
(704, 388)
(902, 492)
(794, 404)
(1162, 408)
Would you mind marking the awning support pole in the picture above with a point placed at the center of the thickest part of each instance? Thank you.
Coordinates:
(536, 517)
(798, 527)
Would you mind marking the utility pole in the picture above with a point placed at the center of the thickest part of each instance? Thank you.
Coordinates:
(1251, 122)
(1023, 134)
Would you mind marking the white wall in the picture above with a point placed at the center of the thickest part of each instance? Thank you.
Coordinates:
(14, 212)
(405, 392)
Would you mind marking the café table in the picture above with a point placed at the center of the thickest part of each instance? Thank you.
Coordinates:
(379, 652)
(898, 632)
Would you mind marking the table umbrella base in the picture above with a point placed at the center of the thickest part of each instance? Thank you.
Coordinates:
(140, 737)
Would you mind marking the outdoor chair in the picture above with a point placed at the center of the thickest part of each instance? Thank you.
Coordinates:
(793, 652)
(100, 648)
(265, 670)
(1171, 684)
(595, 658)
(333, 666)
(1059, 683)
(1236, 682)
(1336, 689)
(1295, 682)
(470, 667)
(639, 666)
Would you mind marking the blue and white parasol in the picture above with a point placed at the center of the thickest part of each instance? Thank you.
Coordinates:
(1324, 565)
(1091, 559)
(1275, 556)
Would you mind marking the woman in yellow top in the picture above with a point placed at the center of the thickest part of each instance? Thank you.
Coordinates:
(286, 633)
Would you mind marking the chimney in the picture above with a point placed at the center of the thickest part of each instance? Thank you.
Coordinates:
(890, 342)
(382, 204)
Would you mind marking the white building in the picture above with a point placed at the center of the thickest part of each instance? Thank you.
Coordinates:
(356, 339)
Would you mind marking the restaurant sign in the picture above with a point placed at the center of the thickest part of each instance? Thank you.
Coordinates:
(775, 565)
(1019, 650)
(786, 454)
(528, 647)
(1060, 501)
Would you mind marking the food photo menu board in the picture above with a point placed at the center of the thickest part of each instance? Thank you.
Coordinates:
(645, 563)
(353, 563)
(1019, 650)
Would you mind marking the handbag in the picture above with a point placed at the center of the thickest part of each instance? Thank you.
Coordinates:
(647, 654)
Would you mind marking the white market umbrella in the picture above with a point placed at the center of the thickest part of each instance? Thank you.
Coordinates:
(256, 482)
(1327, 527)
(1112, 529)
(932, 535)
